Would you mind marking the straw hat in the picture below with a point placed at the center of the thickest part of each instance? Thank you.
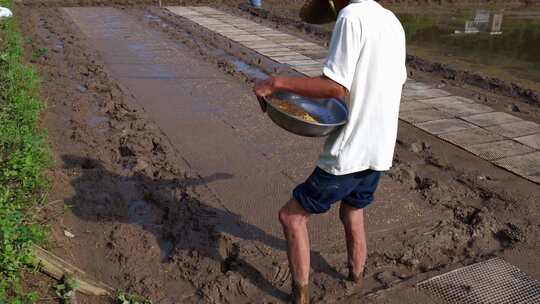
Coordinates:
(319, 11)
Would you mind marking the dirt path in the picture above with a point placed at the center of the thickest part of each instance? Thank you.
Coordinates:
(173, 192)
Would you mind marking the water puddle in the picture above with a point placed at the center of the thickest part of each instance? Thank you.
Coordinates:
(96, 121)
(59, 46)
(508, 40)
(151, 17)
(167, 247)
(249, 70)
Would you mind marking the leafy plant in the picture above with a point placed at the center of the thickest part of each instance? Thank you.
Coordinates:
(66, 288)
(125, 298)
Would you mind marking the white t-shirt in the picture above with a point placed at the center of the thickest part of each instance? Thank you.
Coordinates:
(367, 56)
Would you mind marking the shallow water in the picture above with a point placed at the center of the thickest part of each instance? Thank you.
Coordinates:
(249, 70)
(499, 41)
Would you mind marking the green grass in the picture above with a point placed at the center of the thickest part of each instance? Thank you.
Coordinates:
(23, 159)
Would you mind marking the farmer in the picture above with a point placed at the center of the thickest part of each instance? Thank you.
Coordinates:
(366, 67)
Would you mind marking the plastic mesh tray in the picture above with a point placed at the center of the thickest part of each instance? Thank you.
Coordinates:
(490, 282)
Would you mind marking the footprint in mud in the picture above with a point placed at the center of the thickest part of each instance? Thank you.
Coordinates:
(282, 274)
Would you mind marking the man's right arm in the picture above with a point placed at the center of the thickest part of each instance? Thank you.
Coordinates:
(312, 87)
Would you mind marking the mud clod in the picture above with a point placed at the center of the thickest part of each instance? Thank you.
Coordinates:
(510, 235)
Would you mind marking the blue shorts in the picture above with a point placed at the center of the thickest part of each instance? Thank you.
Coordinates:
(322, 189)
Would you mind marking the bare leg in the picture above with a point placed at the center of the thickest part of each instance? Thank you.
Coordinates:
(353, 223)
(294, 219)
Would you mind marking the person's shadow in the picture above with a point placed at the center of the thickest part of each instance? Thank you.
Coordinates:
(178, 220)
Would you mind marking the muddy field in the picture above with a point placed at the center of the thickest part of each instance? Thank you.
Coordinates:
(135, 205)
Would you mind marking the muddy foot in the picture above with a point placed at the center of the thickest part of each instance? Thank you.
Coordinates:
(300, 293)
(355, 283)
(358, 279)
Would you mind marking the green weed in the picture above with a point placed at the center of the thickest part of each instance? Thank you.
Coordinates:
(39, 52)
(23, 158)
(125, 298)
(66, 289)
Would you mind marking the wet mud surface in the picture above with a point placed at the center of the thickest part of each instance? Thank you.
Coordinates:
(143, 222)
